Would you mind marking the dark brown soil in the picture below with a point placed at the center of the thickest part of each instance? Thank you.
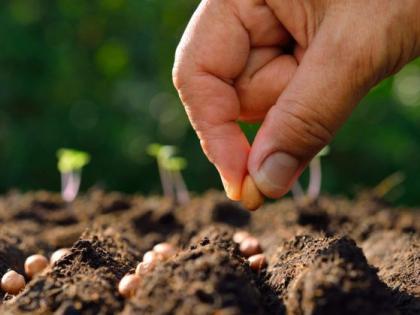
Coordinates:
(331, 257)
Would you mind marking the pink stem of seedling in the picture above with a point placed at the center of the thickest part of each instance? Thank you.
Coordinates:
(314, 187)
(297, 192)
(70, 184)
(181, 190)
(165, 178)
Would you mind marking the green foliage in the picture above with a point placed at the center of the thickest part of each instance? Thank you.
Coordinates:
(154, 149)
(96, 75)
(70, 160)
(175, 163)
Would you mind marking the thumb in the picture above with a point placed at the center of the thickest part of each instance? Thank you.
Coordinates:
(325, 88)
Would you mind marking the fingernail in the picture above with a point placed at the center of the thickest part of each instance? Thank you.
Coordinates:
(275, 174)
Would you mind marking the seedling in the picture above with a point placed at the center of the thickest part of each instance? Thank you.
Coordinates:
(170, 168)
(70, 164)
(315, 179)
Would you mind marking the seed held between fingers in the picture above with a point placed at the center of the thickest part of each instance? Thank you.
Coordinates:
(12, 282)
(250, 246)
(34, 264)
(58, 254)
(166, 250)
(128, 285)
(257, 262)
(251, 197)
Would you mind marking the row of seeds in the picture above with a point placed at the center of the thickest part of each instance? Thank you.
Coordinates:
(249, 247)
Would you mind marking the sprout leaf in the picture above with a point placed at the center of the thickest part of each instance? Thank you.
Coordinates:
(161, 152)
(175, 164)
(154, 149)
(70, 160)
(324, 152)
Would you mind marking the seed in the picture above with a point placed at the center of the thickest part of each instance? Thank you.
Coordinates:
(151, 257)
(250, 246)
(239, 236)
(257, 262)
(143, 268)
(251, 197)
(165, 250)
(128, 285)
(35, 264)
(12, 282)
(58, 254)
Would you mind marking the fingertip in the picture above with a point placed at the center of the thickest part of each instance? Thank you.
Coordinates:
(228, 149)
(232, 190)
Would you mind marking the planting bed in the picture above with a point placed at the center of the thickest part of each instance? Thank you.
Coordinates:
(332, 257)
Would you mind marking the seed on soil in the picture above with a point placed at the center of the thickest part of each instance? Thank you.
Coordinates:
(257, 262)
(151, 257)
(143, 268)
(165, 250)
(34, 264)
(251, 197)
(250, 246)
(239, 236)
(58, 254)
(12, 282)
(129, 285)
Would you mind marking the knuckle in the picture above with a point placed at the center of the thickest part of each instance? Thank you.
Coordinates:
(182, 66)
(305, 129)
(178, 76)
(242, 88)
(242, 85)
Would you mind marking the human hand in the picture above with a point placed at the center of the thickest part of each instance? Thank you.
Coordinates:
(299, 66)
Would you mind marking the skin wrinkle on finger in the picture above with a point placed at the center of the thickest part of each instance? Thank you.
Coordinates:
(263, 27)
(258, 58)
(309, 133)
(258, 91)
(298, 18)
(210, 92)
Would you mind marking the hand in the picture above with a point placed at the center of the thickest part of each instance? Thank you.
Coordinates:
(299, 66)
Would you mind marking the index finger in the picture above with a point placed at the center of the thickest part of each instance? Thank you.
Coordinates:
(212, 53)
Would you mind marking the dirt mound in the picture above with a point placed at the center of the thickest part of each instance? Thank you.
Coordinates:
(331, 257)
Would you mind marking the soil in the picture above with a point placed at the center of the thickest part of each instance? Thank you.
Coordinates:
(334, 256)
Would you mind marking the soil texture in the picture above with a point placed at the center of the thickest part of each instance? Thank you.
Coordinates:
(332, 256)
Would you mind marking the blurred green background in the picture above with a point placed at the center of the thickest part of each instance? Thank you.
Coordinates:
(96, 75)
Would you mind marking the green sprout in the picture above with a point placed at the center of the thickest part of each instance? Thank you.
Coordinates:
(315, 179)
(175, 164)
(170, 167)
(70, 164)
(70, 160)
